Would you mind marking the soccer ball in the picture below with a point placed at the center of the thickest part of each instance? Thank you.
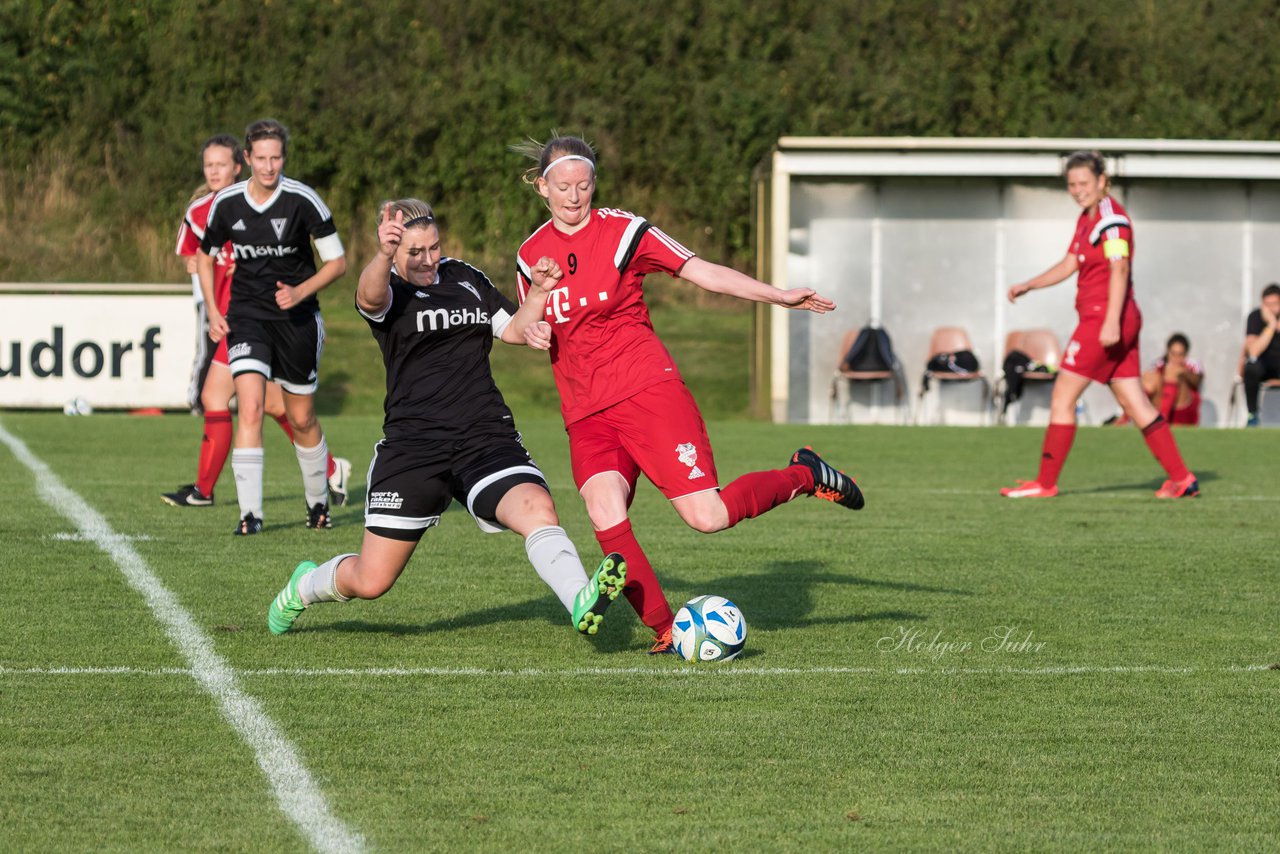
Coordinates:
(709, 628)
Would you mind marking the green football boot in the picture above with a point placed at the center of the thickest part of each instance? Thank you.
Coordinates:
(286, 607)
(590, 603)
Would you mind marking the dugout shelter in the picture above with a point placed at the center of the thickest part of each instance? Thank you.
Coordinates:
(915, 233)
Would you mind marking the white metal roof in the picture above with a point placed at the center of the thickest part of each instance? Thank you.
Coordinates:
(1027, 157)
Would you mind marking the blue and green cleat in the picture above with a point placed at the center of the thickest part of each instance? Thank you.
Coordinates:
(603, 587)
(287, 605)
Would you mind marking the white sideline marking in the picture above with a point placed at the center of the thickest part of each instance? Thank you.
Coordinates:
(1068, 494)
(296, 792)
(77, 537)
(721, 671)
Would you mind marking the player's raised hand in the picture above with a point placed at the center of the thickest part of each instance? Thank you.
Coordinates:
(390, 231)
(286, 296)
(538, 335)
(546, 274)
(807, 299)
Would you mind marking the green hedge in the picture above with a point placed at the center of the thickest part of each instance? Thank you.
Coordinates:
(683, 98)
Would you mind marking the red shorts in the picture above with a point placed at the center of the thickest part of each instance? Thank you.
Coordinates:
(1189, 414)
(658, 431)
(220, 353)
(1086, 357)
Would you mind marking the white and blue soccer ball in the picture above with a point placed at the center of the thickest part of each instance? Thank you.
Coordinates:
(709, 628)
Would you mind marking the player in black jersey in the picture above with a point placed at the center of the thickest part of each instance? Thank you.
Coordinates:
(273, 326)
(448, 432)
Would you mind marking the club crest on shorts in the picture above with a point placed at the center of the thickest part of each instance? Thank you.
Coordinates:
(687, 453)
(1073, 347)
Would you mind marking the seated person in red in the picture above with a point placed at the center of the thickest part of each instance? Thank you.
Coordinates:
(1173, 382)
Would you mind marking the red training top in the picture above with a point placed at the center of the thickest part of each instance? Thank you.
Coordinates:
(1100, 239)
(603, 347)
(191, 232)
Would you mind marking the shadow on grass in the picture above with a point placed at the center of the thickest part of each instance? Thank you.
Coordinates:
(784, 598)
(789, 593)
(1202, 477)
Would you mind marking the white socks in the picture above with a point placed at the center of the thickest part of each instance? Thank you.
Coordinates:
(557, 563)
(321, 583)
(246, 465)
(314, 463)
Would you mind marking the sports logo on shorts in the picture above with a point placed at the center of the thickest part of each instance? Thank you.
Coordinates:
(238, 351)
(1073, 347)
(385, 501)
(278, 225)
(687, 452)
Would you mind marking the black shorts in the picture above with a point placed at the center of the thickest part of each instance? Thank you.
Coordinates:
(412, 482)
(285, 350)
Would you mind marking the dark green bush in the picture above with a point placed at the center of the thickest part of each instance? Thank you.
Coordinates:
(682, 98)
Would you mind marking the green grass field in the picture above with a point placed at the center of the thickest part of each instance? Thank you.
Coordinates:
(1131, 708)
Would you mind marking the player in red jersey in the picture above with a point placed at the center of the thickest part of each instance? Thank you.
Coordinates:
(211, 376)
(625, 407)
(1104, 347)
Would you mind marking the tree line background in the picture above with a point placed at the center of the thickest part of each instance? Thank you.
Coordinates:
(103, 104)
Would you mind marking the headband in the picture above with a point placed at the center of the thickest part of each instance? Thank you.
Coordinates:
(421, 220)
(559, 160)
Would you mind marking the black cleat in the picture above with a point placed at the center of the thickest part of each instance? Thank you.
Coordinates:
(828, 482)
(318, 516)
(250, 524)
(187, 496)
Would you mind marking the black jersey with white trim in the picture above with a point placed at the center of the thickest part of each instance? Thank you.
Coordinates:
(270, 242)
(435, 344)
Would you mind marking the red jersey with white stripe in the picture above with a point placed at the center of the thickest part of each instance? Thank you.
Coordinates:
(603, 346)
(1100, 239)
(191, 232)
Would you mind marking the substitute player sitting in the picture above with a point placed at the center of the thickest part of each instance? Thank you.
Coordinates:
(625, 407)
(273, 325)
(447, 432)
(1104, 347)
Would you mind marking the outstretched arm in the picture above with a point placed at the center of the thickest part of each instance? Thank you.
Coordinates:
(1052, 276)
(723, 280)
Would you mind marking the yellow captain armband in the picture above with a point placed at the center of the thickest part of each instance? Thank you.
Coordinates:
(1115, 248)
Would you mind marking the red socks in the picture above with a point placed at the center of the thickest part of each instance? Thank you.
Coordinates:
(1168, 400)
(1057, 444)
(1160, 440)
(642, 588)
(283, 421)
(214, 448)
(761, 491)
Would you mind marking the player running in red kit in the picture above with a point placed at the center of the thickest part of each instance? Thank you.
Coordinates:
(625, 407)
(1104, 347)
